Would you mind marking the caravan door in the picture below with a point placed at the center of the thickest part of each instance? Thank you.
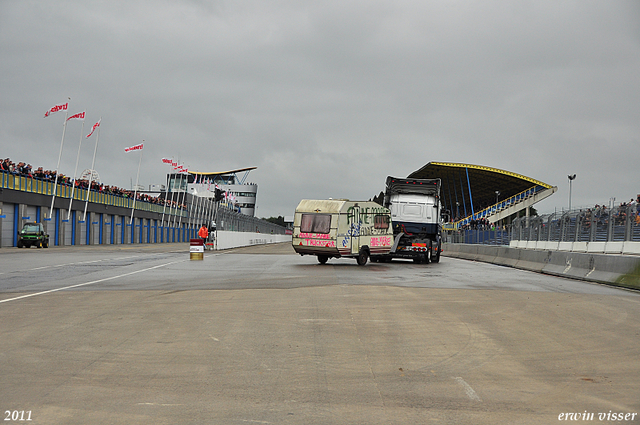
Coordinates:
(353, 217)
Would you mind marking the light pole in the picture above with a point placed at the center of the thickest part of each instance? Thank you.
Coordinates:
(571, 179)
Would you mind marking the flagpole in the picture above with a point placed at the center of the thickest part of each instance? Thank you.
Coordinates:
(173, 192)
(93, 162)
(192, 218)
(135, 192)
(173, 223)
(166, 193)
(55, 180)
(75, 172)
(180, 202)
(183, 200)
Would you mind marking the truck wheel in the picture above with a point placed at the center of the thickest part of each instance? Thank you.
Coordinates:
(363, 255)
(322, 259)
(436, 258)
(20, 244)
(45, 244)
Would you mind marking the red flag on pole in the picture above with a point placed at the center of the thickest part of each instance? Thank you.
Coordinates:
(54, 109)
(166, 161)
(96, 125)
(78, 116)
(134, 148)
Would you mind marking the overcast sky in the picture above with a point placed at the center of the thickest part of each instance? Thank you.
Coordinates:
(327, 98)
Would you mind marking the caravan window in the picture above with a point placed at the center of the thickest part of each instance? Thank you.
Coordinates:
(381, 222)
(315, 223)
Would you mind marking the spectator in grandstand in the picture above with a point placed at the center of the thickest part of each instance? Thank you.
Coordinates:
(26, 170)
(8, 165)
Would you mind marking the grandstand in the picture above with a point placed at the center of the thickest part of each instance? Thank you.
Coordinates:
(475, 192)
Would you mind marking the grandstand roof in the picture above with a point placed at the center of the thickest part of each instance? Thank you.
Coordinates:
(220, 173)
(483, 182)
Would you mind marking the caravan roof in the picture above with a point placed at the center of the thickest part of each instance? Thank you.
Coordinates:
(327, 206)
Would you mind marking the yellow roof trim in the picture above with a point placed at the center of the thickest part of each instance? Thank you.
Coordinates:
(493, 170)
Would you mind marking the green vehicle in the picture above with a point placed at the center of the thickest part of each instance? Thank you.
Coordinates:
(33, 234)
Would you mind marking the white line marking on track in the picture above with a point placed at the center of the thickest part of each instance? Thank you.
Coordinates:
(90, 283)
(158, 404)
(73, 264)
(467, 389)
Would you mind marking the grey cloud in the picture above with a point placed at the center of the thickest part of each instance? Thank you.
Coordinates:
(328, 98)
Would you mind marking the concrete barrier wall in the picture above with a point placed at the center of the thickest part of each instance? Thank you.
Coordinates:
(611, 269)
(613, 247)
(227, 239)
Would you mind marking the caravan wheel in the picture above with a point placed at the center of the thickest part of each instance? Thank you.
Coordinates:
(363, 256)
(322, 259)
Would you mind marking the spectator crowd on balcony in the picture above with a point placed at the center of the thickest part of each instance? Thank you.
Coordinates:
(26, 170)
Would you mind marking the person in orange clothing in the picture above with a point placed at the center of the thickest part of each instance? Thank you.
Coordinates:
(204, 234)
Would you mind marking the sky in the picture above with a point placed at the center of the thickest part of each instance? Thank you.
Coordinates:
(328, 98)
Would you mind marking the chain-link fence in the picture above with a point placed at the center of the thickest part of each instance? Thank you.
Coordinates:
(230, 220)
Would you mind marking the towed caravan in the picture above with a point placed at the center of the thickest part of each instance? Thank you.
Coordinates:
(342, 228)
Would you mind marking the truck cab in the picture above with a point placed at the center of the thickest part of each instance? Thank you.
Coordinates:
(415, 212)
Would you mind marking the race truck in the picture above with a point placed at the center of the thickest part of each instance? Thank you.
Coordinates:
(415, 215)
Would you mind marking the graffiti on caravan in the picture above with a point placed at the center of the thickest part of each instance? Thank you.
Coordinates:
(315, 235)
(318, 242)
(364, 214)
(381, 241)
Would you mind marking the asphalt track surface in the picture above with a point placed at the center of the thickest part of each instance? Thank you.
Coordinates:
(141, 334)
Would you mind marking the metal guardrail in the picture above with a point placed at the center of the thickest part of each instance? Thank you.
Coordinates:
(619, 224)
(484, 235)
(602, 224)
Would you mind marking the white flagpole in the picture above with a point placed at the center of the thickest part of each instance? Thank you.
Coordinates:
(135, 192)
(173, 223)
(191, 213)
(55, 181)
(75, 172)
(173, 193)
(179, 208)
(93, 163)
(166, 193)
(197, 211)
(184, 196)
